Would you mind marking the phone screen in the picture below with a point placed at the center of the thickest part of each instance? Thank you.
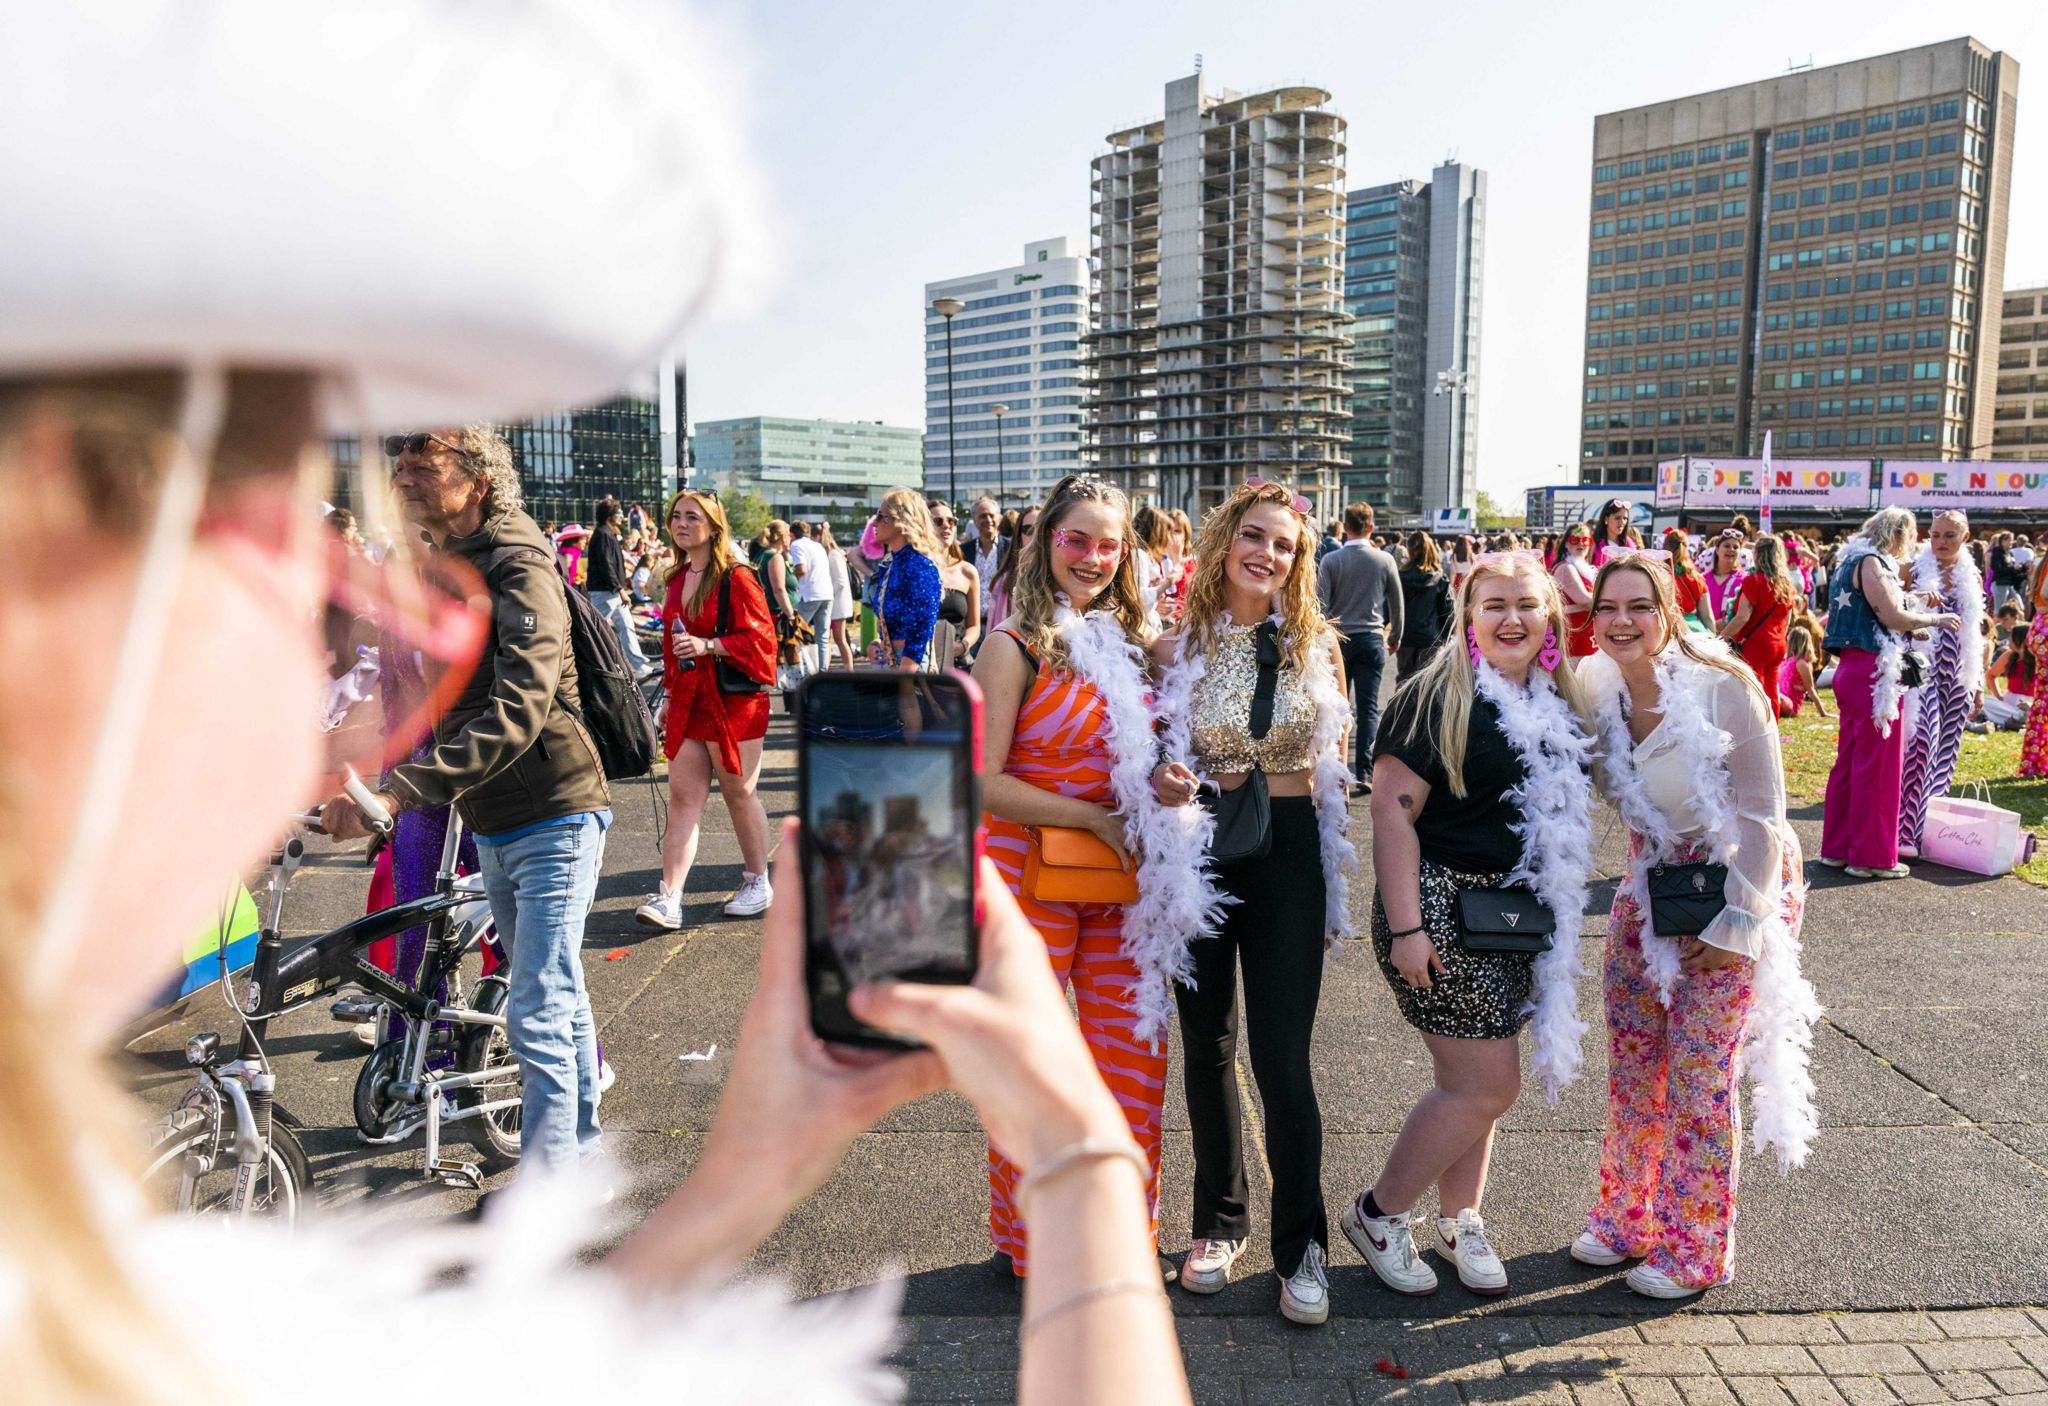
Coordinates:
(889, 791)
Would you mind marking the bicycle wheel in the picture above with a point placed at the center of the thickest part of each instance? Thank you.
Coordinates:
(280, 1190)
(485, 1047)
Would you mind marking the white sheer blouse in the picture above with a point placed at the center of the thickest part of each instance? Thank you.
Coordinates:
(1756, 774)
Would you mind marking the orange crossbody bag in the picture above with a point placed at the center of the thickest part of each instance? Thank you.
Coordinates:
(1065, 865)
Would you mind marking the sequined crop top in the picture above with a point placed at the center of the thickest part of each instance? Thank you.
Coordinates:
(1221, 709)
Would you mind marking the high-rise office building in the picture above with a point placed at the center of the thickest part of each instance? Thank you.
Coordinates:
(2019, 416)
(1016, 344)
(1414, 252)
(1820, 254)
(832, 469)
(1219, 318)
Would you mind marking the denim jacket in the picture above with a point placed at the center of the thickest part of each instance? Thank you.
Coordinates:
(1852, 619)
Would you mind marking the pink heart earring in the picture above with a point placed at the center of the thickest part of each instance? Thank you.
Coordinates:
(1472, 643)
(1550, 658)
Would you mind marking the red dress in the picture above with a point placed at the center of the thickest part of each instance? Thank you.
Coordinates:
(697, 709)
(1578, 618)
(1763, 634)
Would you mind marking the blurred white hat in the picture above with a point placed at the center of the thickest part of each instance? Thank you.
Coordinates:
(457, 210)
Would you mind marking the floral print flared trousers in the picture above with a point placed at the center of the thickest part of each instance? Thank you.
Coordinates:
(1671, 1153)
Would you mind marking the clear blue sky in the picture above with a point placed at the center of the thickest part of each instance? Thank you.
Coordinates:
(904, 142)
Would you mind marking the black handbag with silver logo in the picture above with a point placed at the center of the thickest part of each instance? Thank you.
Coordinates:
(1509, 919)
(1685, 898)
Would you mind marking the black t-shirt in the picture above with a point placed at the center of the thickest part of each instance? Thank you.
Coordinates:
(606, 562)
(1469, 835)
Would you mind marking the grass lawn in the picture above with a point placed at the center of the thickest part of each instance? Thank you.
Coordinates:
(1809, 746)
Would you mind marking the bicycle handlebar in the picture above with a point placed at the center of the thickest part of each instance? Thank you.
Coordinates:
(366, 801)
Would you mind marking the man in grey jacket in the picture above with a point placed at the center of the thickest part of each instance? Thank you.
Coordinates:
(512, 755)
(1361, 591)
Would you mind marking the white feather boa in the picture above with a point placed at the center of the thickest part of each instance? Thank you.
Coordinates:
(1330, 784)
(1962, 591)
(598, 1337)
(1178, 900)
(1775, 1056)
(1887, 692)
(1556, 830)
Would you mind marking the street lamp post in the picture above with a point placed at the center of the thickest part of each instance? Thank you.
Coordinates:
(999, 410)
(948, 308)
(1451, 383)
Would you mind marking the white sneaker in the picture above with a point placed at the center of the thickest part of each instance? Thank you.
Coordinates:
(1656, 1284)
(606, 1075)
(1834, 863)
(1305, 1295)
(1389, 1248)
(1207, 1267)
(754, 897)
(1463, 1242)
(1591, 1249)
(663, 911)
(366, 1032)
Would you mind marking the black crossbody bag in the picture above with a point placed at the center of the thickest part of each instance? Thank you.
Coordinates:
(1685, 898)
(731, 679)
(1244, 817)
(1511, 919)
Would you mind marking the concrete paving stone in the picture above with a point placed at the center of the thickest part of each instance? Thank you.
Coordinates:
(1521, 1392)
(1788, 1328)
(1492, 1334)
(960, 1386)
(1652, 1391)
(1966, 1386)
(1217, 1391)
(2040, 1317)
(1385, 1391)
(1201, 1327)
(1887, 1328)
(1978, 1059)
(1865, 1391)
(940, 1328)
(1914, 1389)
(992, 1356)
(1567, 1360)
(933, 1357)
(2032, 1398)
(1267, 1330)
(1813, 1391)
(2013, 1380)
(1287, 1391)
(1758, 1391)
(1967, 1356)
(1661, 1360)
(1705, 1391)
(1694, 1329)
(2035, 1350)
(1987, 1323)
(1778, 1360)
(1560, 1329)
(1865, 1358)
(1602, 1393)
(1222, 1359)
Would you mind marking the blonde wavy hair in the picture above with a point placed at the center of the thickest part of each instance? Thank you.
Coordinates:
(1768, 561)
(724, 556)
(1034, 598)
(912, 515)
(1444, 689)
(1665, 594)
(1201, 618)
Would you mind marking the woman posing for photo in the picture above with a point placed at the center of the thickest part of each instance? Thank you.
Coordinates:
(714, 611)
(1764, 606)
(1944, 576)
(1252, 697)
(1068, 751)
(1701, 978)
(1572, 573)
(907, 590)
(1479, 787)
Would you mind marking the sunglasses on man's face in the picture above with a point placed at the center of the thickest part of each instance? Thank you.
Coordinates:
(397, 444)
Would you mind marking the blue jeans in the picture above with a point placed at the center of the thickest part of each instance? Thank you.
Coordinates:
(1365, 661)
(818, 615)
(617, 609)
(541, 886)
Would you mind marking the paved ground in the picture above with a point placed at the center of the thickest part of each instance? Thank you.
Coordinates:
(1872, 1275)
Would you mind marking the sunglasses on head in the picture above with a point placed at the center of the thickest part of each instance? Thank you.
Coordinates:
(1300, 504)
(397, 444)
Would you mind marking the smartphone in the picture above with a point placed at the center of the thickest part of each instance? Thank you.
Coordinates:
(889, 792)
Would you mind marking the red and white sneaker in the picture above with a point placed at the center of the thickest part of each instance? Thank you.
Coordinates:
(1389, 1247)
(1463, 1242)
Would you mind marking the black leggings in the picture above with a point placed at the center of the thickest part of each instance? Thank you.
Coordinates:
(1276, 930)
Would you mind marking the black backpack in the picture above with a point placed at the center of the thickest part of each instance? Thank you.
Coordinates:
(614, 710)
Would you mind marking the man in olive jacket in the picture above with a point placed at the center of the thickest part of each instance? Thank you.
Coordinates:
(512, 756)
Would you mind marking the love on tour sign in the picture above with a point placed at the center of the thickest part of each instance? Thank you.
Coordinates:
(1696, 482)
(1965, 484)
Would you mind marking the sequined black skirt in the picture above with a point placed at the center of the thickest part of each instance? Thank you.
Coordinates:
(1481, 994)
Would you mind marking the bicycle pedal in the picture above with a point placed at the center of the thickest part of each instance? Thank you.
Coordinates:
(451, 1170)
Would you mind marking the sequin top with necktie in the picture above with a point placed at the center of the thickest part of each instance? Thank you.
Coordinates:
(1221, 708)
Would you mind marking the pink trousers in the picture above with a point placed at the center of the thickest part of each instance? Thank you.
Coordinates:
(1860, 821)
